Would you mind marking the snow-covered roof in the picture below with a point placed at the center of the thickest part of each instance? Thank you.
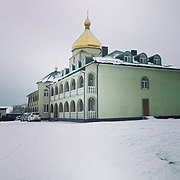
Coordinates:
(51, 76)
(115, 61)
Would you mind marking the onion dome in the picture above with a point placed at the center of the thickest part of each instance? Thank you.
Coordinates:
(87, 39)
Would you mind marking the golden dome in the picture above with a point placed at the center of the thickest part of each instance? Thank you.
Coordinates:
(87, 39)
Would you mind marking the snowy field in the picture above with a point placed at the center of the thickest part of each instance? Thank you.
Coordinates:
(129, 150)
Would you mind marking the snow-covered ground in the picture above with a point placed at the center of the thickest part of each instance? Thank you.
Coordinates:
(129, 150)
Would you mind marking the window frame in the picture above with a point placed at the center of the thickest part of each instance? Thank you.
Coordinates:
(144, 82)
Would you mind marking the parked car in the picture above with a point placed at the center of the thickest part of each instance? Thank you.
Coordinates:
(19, 118)
(34, 116)
(25, 117)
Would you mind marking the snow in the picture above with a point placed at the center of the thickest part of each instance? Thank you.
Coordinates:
(127, 150)
(115, 61)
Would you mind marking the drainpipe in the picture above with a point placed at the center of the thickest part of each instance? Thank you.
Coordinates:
(84, 97)
(97, 89)
(83, 71)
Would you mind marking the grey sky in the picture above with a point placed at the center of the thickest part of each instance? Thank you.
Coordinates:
(36, 33)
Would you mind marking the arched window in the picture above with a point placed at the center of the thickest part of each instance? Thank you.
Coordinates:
(91, 80)
(80, 82)
(52, 91)
(66, 86)
(72, 106)
(73, 85)
(91, 104)
(144, 83)
(80, 105)
(60, 89)
(66, 107)
(51, 108)
(56, 90)
(60, 107)
(56, 111)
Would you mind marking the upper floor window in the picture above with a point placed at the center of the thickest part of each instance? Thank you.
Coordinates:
(46, 93)
(56, 90)
(91, 80)
(52, 91)
(144, 83)
(73, 85)
(81, 82)
(60, 89)
(66, 86)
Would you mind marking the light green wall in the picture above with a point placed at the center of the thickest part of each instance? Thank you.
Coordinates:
(120, 93)
(43, 100)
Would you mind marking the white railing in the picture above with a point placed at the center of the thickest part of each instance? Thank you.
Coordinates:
(73, 92)
(91, 114)
(61, 96)
(66, 115)
(91, 89)
(73, 115)
(81, 91)
(66, 94)
(61, 115)
(52, 115)
(52, 98)
(80, 115)
(56, 97)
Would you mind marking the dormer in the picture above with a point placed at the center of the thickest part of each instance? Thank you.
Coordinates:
(156, 59)
(141, 58)
(126, 57)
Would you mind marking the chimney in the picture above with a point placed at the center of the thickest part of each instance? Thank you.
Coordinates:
(134, 52)
(104, 51)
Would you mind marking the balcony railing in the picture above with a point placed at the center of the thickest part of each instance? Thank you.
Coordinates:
(91, 89)
(73, 92)
(61, 96)
(73, 115)
(66, 115)
(80, 115)
(92, 114)
(56, 97)
(52, 115)
(66, 94)
(81, 91)
(61, 115)
(52, 98)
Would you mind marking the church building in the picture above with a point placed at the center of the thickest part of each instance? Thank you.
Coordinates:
(99, 85)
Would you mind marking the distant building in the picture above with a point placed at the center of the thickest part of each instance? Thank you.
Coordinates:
(3, 112)
(99, 85)
(39, 100)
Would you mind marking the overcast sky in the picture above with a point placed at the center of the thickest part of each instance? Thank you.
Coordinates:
(34, 34)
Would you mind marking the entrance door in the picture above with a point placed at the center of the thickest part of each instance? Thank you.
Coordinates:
(145, 104)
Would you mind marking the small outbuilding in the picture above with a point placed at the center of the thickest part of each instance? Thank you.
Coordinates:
(2, 112)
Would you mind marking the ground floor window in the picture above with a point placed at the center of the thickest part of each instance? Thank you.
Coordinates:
(46, 108)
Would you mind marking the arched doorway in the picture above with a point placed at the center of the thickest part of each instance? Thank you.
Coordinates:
(56, 111)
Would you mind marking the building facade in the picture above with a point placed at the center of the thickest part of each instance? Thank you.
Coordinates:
(100, 86)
